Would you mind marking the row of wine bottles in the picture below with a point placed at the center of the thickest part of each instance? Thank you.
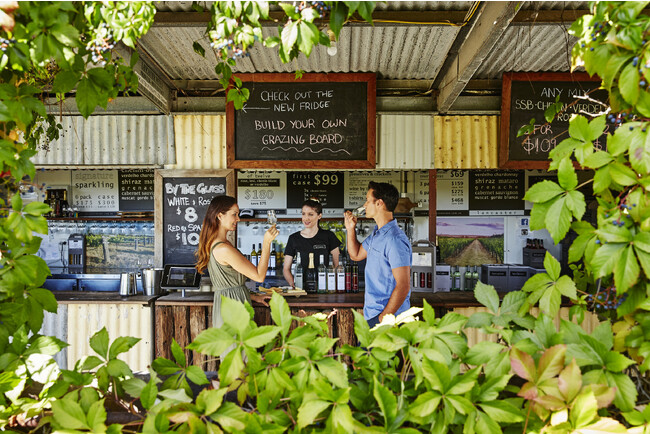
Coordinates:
(330, 279)
(275, 259)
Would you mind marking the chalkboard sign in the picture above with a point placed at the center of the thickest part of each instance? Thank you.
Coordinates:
(317, 121)
(327, 187)
(136, 189)
(526, 96)
(182, 198)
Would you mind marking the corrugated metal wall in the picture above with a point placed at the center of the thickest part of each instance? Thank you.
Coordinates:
(56, 324)
(124, 319)
(111, 141)
(405, 142)
(200, 142)
(466, 142)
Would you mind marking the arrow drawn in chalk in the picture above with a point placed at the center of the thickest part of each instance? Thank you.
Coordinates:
(245, 107)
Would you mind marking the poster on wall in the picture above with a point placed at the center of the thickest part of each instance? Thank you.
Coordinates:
(467, 241)
(452, 192)
(356, 185)
(262, 190)
(95, 190)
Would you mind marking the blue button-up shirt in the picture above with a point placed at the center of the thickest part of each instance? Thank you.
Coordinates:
(387, 248)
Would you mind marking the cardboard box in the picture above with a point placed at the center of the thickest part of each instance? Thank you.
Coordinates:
(495, 275)
(534, 257)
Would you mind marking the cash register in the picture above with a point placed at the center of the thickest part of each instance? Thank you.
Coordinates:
(180, 277)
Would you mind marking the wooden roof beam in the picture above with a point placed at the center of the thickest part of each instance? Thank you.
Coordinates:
(492, 21)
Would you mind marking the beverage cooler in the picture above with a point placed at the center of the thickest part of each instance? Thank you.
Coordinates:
(423, 269)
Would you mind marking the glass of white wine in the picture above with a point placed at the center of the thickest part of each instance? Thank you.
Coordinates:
(359, 212)
(271, 218)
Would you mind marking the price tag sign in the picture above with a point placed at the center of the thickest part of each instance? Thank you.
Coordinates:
(357, 185)
(262, 190)
(422, 188)
(452, 192)
(326, 187)
(95, 190)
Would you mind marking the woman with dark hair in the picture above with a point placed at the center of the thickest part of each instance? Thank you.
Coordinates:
(227, 266)
(311, 239)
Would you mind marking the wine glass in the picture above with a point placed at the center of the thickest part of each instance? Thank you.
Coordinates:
(359, 212)
(271, 218)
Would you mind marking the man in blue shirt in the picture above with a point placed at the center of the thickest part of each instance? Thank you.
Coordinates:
(388, 253)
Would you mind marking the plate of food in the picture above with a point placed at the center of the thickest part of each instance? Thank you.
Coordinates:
(283, 290)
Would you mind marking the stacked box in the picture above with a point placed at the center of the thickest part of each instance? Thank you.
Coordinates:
(517, 276)
(495, 275)
(443, 278)
(534, 257)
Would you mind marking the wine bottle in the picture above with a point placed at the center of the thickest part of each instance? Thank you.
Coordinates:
(322, 276)
(254, 256)
(311, 275)
(340, 276)
(355, 276)
(348, 277)
(331, 276)
(272, 263)
(297, 273)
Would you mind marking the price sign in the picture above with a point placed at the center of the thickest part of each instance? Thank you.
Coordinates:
(327, 187)
(422, 188)
(95, 190)
(452, 193)
(357, 185)
(262, 190)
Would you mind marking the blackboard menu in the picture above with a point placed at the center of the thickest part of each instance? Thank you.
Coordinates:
(496, 190)
(526, 96)
(136, 189)
(327, 187)
(182, 198)
(319, 120)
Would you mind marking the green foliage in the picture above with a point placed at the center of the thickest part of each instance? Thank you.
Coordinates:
(236, 26)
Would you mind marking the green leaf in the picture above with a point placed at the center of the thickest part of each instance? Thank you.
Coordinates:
(97, 416)
(47, 345)
(198, 48)
(626, 393)
(308, 35)
(118, 368)
(280, 313)
(235, 314)
(45, 298)
(483, 352)
(178, 353)
(552, 266)
(598, 159)
(626, 270)
(543, 192)
(209, 401)
(461, 384)
(149, 394)
(558, 220)
(196, 375)
(68, 414)
(387, 402)
(616, 362)
(365, 11)
(212, 341)
(66, 34)
(575, 201)
(425, 404)
(487, 296)
(289, 35)
(87, 97)
(231, 367)
(165, 366)
(333, 370)
(261, 336)
(338, 15)
(628, 83)
(584, 410)
(309, 410)
(566, 174)
(551, 363)
(622, 174)
(231, 417)
(502, 411)
(122, 345)
(99, 343)
(175, 395)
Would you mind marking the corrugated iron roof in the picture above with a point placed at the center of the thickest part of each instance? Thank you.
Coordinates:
(529, 48)
(392, 52)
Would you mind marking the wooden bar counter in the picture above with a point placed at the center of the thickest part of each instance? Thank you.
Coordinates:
(183, 318)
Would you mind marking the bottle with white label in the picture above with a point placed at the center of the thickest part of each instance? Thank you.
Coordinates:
(340, 276)
(331, 277)
(271, 270)
(322, 276)
(297, 272)
(254, 255)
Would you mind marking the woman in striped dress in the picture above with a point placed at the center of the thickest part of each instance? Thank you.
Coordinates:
(228, 268)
